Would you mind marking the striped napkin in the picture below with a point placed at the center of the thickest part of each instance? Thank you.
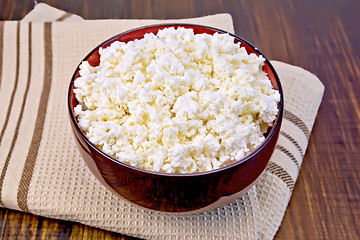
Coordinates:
(43, 173)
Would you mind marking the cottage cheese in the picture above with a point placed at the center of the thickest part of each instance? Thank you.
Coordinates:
(176, 102)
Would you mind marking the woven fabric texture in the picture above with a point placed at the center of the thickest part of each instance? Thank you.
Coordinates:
(43, 173)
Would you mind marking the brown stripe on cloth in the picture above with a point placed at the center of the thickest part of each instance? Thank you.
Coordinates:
(289, 154)
(297, 121)
(39, 124)
(18, 123)
(282, 174)
(15, 84)
(1, 48)
(63, 17)
(6, 164)
(293, 141)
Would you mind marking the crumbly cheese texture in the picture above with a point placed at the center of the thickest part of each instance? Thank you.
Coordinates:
(176, 102)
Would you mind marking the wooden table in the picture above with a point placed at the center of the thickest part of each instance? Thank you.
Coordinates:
(320, 36)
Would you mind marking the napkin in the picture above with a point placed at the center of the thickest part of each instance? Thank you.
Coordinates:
(41, 169)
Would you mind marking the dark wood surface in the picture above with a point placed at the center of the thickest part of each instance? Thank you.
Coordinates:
(322, 36)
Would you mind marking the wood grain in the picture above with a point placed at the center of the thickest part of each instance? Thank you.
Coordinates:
(320, 36)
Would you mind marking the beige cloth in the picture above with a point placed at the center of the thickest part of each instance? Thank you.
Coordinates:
(45, 13)
(43, 173)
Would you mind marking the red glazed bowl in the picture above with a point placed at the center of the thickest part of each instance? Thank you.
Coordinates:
(176, 193)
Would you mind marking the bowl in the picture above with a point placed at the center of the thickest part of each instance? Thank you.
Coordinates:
(176, 193)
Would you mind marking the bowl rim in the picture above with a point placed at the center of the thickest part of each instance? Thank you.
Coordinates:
(270, 135)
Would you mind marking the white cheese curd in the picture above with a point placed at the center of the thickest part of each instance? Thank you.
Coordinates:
(176, 102)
